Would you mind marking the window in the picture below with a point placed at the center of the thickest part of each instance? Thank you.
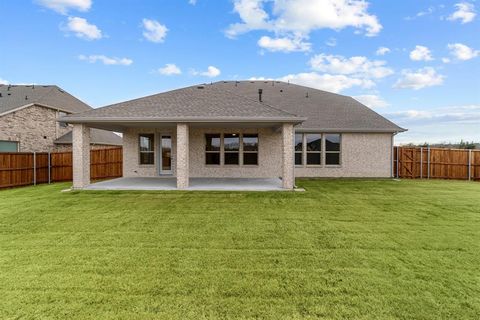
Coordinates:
(231, 145)
(62, 124)
(313, 142)
(250, 149)
(212, 149)
(8, 146)
(147, 155)
(311, 148)
(298, 149)
(332, 149)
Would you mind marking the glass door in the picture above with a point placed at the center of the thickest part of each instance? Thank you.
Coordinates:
(166, 154)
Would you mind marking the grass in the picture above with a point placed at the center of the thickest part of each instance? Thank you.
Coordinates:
(343, 249)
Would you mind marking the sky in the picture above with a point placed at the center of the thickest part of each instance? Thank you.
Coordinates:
(417, 62)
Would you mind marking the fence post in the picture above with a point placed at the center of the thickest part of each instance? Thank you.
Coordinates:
(49, 164)
(421, 162)
(34, 168)
(398, 161)
(469, 164)
(428, 163)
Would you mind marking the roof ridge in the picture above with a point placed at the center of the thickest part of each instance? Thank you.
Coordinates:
(262, 103)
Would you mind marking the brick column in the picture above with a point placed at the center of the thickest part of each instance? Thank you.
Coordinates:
(182, 156)
(288, 176)
(81, 156)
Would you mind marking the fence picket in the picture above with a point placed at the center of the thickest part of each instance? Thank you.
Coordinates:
(442, 163)
(21, 169)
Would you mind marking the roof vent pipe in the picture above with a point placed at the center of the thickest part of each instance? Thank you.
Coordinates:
(260, 91)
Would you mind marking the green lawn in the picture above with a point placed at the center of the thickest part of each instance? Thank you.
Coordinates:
(343, 249)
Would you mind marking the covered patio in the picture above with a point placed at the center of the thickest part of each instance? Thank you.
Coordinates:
(206, 184)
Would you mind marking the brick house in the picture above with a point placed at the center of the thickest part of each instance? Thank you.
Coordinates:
(240, 130)
(28, 120)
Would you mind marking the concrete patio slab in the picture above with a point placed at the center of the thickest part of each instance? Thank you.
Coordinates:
(206, 184)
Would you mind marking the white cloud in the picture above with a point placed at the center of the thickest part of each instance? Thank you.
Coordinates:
(283, 44)
(299, 17)
(106, 60)
(371, 101)
(83, 29)
(461, 114)
(3, 81)
(63, 6)
(355, 66)
(427, 12)
(381, 51)
(445, 60)
(419, 79)
(465, 12)
(462, 52)
(327, 82)
(332, 42)
(451, 123)
(154, 30)
(421, 53)
(170, 69)
(211, 72)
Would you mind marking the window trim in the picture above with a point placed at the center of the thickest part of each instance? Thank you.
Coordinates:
(140, 150)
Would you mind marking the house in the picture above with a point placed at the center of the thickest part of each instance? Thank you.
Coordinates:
(241, 129)
(28, 120)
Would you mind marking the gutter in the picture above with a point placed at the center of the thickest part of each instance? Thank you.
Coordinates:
(73, 119)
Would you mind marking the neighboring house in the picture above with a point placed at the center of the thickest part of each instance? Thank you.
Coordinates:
(242, 129)
(28, 120)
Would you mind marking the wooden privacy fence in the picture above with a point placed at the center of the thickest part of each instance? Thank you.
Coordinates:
(21, 169)
(436, 163)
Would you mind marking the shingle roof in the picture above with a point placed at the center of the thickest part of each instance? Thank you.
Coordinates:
(324, 110)
(196, 102)
(222, 100)
(15, 96)
(97, 136)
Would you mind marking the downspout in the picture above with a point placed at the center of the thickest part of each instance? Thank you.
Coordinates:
(392, 158)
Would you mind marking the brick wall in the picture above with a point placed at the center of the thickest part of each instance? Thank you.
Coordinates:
(35, 128)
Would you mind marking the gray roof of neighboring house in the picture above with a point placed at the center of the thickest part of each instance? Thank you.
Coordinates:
(97, 136)
(15, 96)
(195, 103)
(324, 110)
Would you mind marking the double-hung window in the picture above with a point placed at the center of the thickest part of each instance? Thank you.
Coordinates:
(231, 146)
(146, 148)
(298, 149)
(212, 149)
(332, 149)
(231, 149)
(313, 142)
(312, 149)
(250, 149)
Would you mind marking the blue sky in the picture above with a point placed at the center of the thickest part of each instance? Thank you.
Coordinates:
(416, 62)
